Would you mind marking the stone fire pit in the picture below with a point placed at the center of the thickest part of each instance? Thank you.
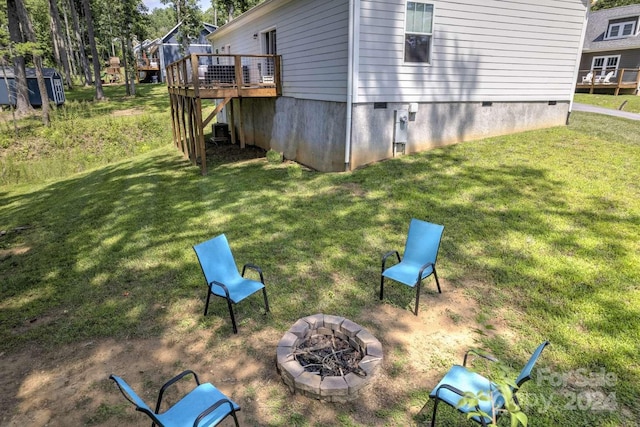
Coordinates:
(335, 388)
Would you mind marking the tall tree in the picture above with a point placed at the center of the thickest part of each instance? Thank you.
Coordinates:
(27, 29)
(23, 106)
(58, 41)
(67, 33)
(80, 40)
(94, 51)
(6, 52)
(160, 22)
(129, 16)
(188, 14)
(233, 8)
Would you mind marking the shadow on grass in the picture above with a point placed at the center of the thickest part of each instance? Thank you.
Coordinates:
(108, 251)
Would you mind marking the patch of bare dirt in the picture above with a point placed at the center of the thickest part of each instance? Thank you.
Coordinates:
(225, 152)
(69, 386)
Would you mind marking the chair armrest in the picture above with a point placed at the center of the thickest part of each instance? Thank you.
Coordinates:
(223, 286)
(212, 408)
(255, 268)
(429, 264)
(173, 381)
(450, 388)
(387, 255)
(459, 393)
(478, 353)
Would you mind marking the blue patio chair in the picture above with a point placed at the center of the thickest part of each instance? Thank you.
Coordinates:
(419, 260)
(460, 380)
(222, 276)
(204, 406)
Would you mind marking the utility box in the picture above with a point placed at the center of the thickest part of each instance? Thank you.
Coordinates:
(400, 130)
(220, 132)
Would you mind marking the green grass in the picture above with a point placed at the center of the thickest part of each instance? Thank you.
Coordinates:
(631, 102)
(84, 134)
(545, 224)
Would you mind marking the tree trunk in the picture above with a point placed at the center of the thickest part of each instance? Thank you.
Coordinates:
(94, 50)
(56, 35)
(42, 86)
(84, 62)
(23, 106)
(27, 29)
(4, 63)
(72, 52)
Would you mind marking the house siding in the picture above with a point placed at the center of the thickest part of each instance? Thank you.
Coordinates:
(513, 55)
(312, 40)
(482, 50)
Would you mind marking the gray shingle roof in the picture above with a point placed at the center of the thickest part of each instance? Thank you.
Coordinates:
(598, 24)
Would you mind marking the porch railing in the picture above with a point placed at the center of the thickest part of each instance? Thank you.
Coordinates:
(622, 78)
(248, 75)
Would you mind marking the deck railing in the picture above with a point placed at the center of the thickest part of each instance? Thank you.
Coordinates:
(209, 76)
(217, 76)
(148, 64)
(622, 78)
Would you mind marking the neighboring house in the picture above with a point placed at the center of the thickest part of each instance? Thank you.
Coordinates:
(612, 41)
(154, 55)
(363, 80)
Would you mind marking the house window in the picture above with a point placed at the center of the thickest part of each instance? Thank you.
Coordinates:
(601, 65)
(418, 32)
(269, 42)
(619, 29)
(269, 48)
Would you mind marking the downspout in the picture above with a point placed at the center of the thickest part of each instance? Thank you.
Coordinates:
(347, 142)
(576, 72)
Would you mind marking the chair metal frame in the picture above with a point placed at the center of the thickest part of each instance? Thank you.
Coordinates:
(524, 376)
(224, 286)
(156, 416)
(419, 277)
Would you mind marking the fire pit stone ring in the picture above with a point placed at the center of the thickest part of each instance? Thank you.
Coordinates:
(335, 388)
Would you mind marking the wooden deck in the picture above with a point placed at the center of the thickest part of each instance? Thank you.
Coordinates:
(211, 76)
(626, 78)
(147, 64)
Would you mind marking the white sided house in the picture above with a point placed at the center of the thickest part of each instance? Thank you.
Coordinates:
(365, 80)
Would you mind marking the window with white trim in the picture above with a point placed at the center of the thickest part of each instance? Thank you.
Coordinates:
(418, 32)
(269, 48)
(620, 29)
(601, 65)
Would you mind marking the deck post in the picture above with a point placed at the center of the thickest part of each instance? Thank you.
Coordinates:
(231, 120)
(278, 76)
(237, 61)
(240, 126)
(186, 92)
(620, 80)
(198, 126)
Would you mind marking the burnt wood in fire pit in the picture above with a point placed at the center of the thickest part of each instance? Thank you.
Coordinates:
(328, 355)
(328, 358)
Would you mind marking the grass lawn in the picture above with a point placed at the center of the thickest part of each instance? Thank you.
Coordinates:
(541, 242)
(631, 102)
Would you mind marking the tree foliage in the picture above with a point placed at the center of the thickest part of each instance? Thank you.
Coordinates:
(223, 11)
(161, 21)
(608, 4)
(188, 13)
(78, 37)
